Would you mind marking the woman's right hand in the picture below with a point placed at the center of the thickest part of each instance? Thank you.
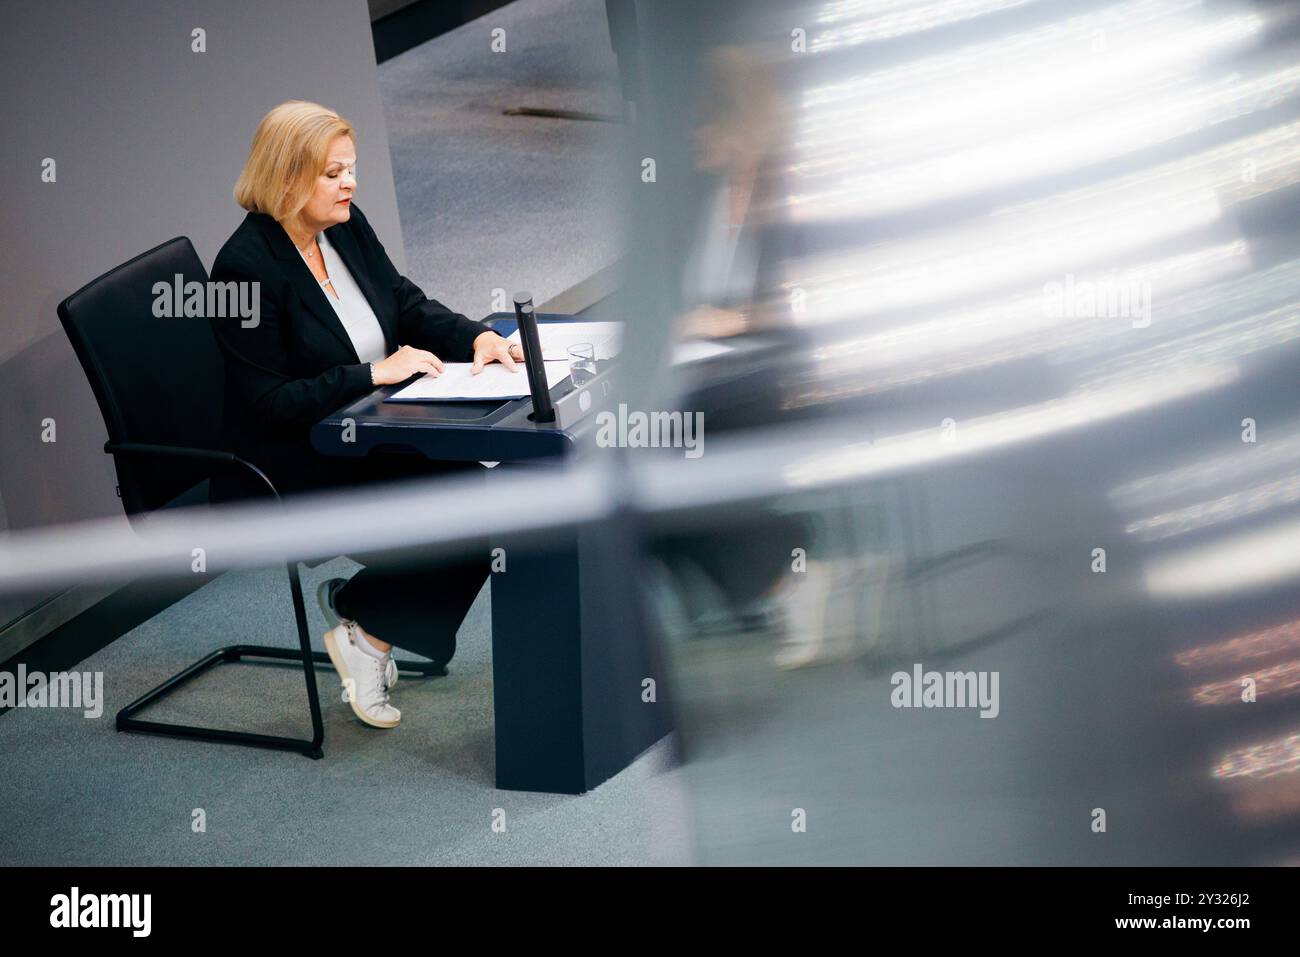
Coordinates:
(404, 363)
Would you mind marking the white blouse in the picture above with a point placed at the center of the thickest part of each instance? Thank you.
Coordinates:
(723, 267)
(351, 306)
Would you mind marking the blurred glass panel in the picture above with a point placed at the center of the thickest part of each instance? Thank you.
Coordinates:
(988, 316)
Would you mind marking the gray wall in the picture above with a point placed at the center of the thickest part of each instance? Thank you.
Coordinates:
(148, 138)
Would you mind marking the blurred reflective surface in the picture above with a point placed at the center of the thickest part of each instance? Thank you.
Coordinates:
(1033, 270)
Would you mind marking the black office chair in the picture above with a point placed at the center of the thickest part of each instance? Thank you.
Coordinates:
(160, 387)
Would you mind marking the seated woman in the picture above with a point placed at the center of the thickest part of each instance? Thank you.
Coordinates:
(336, 320)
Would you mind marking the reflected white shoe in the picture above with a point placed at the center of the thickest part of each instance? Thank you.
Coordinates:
(364, 684)
(804, 604)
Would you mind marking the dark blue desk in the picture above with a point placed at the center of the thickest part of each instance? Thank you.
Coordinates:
(568, 660)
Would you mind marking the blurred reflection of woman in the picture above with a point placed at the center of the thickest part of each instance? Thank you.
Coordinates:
(732, 285)
(739, 242)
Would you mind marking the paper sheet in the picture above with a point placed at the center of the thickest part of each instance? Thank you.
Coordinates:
(556, 337)
(494, 382)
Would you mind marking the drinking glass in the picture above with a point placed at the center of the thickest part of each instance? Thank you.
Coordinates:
(582, 363)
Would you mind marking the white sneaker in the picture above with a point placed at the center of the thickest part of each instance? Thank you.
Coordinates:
(325, 597)
(364, 684)
(390, 678)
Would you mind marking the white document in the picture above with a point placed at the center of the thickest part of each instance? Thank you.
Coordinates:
(556, 337)
(494, 382)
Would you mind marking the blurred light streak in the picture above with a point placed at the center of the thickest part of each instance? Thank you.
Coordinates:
(1228, 342)
(1192, 323)
(1225, 508)
(1209, 339)
(1007, 329)
(897, 179)
(1260, 761)
(984, 256)
(968, 121)
(1265, 643)
(1034, 240)
(1244, 561)
(866, 21)
(1078, 409)
(1051, 237)
(967, 89)
(1276, 681)
(1281, 451)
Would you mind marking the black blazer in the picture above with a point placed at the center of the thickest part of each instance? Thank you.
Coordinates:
(298, 365)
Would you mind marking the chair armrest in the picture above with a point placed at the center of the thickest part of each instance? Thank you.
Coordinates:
(183, 452)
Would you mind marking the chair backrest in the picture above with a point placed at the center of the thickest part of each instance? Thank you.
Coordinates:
(157, 380)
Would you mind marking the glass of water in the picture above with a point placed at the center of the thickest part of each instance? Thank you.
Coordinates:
(582, 363)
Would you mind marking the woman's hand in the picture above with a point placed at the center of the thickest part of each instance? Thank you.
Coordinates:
(709, 322)
(404, 363)
(490, 347)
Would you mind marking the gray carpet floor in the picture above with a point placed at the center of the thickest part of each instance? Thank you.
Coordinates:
(486, 201)
(490, 201)
(75, 791)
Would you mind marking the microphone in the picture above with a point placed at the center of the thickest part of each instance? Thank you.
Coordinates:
(534, 365)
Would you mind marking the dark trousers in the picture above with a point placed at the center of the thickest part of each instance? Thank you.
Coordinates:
(744, 562)
(417, 605)
(407, 600)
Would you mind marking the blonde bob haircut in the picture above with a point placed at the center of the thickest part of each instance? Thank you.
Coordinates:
(287, 156)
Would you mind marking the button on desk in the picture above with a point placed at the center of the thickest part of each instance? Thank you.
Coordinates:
(568, 661)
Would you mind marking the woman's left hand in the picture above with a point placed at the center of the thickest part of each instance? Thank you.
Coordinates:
(490, 347)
